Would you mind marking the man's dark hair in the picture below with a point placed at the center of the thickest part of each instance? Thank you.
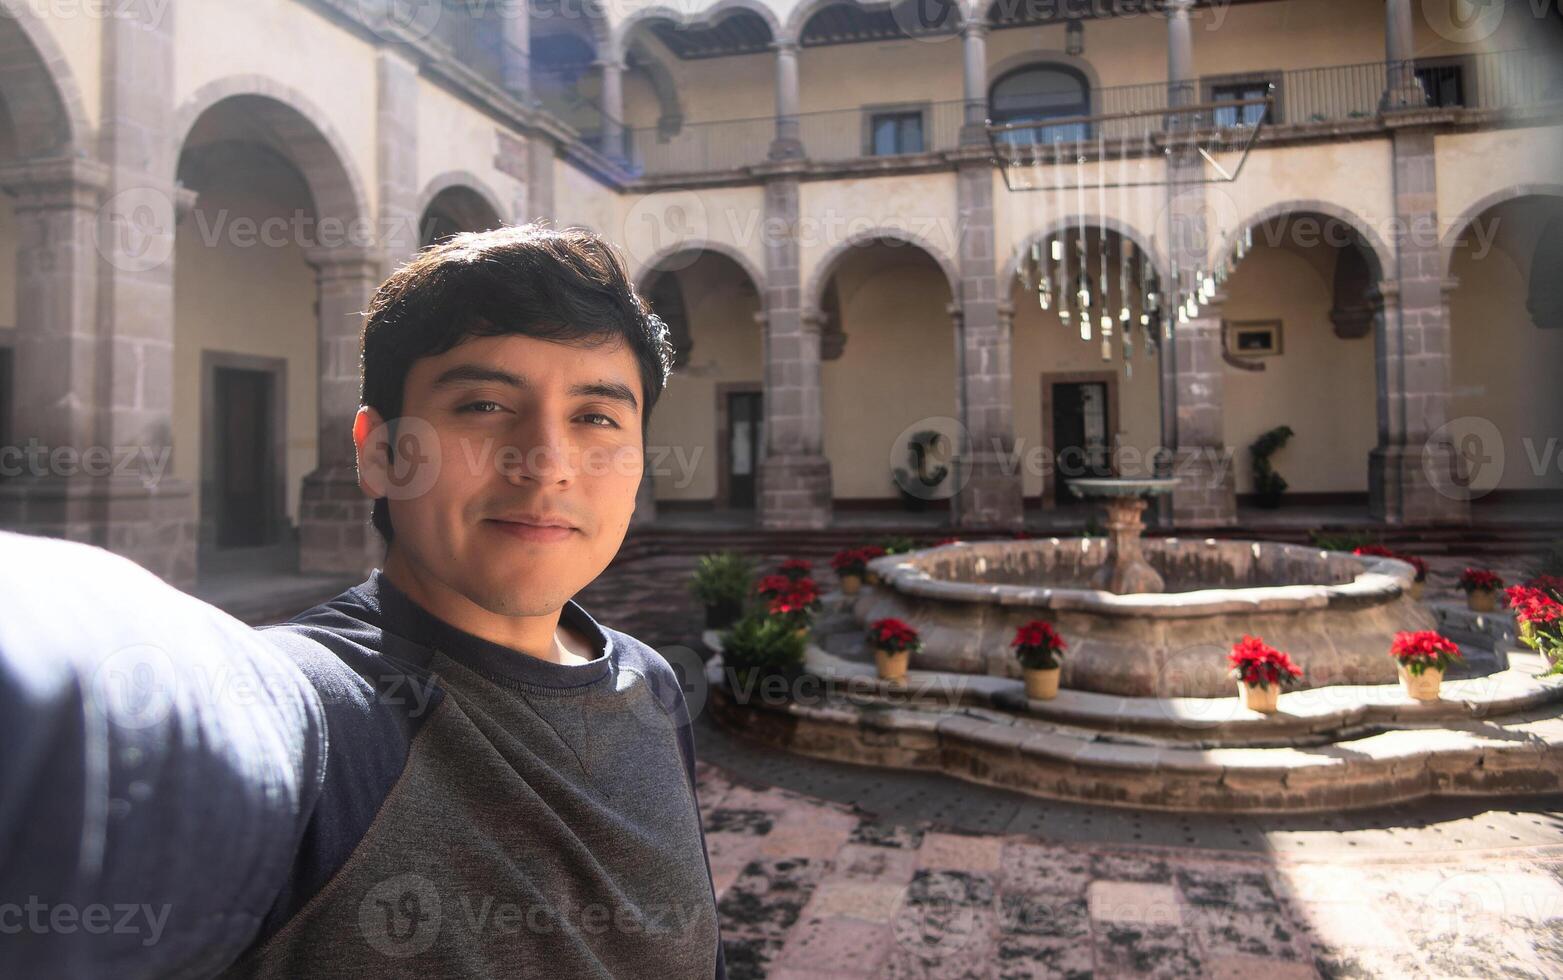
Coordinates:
(567, 286)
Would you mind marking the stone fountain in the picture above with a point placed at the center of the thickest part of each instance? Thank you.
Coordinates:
(1148, 617)
(1125, 569)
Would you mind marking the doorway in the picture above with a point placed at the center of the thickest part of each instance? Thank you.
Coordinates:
(243, 507)
(1080, 413)
(743, 446)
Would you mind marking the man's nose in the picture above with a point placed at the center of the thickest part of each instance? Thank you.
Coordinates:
(542, 451)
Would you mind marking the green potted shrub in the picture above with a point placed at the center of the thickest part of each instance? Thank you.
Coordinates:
(760, 646)
(1268, 484)
(721, 582)
(1041, 651)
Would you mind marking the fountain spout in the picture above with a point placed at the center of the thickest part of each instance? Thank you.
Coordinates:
(1125, 571)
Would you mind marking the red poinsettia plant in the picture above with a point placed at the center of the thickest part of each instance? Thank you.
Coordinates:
(1423, 649)
(770, 586)
(850, 561)
(1257, 664)
(944, 541)
(1379, 551)
(1480, 580)
(796, 568)
(1038, 645)
(893, 636)
(796, 602)
(1539, 612)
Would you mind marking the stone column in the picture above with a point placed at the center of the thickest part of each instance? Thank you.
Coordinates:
(515, 48)
(991, 490)
(1414, 474)
(612, 108)
(1180, 54)
(1401, 88)
(794, 477)
(540, 179)
(788, 144)
(140, 512)
(974, 78)
(334, 530)
(396, 153)
(1206, 493)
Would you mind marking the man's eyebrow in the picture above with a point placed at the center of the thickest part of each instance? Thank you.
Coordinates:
(465, 374)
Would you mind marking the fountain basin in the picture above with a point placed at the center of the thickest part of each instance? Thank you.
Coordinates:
(1335, 613)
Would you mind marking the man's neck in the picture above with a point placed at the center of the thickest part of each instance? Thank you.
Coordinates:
(543, 637)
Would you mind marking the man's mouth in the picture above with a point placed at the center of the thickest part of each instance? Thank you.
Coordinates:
(533, 528)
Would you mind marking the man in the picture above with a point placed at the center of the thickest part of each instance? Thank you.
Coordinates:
(448, 770)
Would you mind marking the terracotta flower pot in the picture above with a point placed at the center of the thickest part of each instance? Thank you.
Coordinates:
(1423, 686)
(1042, 683)
(802, 631)
(851, 583)
(1481, 600)
(871, 577)
(892, 666)
(1265, 699)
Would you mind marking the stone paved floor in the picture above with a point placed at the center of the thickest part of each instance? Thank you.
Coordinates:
(833, 871)
(812, 888)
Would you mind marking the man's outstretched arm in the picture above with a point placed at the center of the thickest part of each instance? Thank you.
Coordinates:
(159, 761)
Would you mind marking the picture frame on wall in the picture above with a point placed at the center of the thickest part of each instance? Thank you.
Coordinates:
(1254, 338)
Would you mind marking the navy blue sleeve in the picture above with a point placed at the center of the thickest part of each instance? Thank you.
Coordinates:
(158, 763)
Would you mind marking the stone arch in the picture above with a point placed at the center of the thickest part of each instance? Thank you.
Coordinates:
(307, 137)
(671, 117)
(1381, 253)
(619, 39)
(1457, 230)
(800, 16)
(452, 180)
(1117, 225)
(814, 294)
(47, 111)
(1048, 57)
(691, 249)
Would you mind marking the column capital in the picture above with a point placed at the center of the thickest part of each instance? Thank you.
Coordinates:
(812, 320)
(785, 45)
(1177, 8)
(956, 311)
(607, 63)
(1006, 312)
(55, 182)
(762, 319)
(1448, 285)
(975, 27)
(345, 261)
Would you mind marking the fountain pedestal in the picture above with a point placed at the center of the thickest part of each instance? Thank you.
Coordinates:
(1125, 571)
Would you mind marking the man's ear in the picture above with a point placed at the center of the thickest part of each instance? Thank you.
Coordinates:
(372, 440)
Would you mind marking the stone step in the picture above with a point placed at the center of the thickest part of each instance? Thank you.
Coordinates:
(1518, 754)
(1313, 716)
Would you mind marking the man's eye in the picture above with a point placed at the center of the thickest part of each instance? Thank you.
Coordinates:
(599, 415)
(481, 407)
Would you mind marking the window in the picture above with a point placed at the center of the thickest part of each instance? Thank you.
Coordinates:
(1444, 84)
(895, 132)
(1245, 115)
(1038, 93)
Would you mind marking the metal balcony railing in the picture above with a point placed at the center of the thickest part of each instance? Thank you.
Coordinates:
(1332, 94)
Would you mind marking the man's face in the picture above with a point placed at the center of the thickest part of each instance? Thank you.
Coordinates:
(517, 427)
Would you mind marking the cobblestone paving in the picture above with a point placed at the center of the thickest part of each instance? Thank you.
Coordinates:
(809, 888)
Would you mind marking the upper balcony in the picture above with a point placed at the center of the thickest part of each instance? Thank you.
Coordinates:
(1331, 102)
